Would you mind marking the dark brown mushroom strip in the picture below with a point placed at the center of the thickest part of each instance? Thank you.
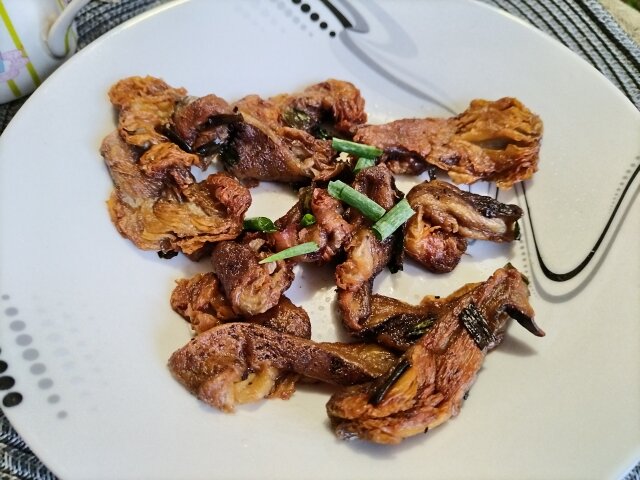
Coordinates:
(278, 138)
(330, 230)
(191, 120)
(158, 205)
(252, 154)
(240, 362)
(491, 140)
(442, 367)
(396, 324)
(446, 216)
(201, 302)
(285, 317)
(467, 214)
(250, 287)
(333, 106)
(366, 256)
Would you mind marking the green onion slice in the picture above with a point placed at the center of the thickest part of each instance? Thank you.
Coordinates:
(363, 163)
(307, 220)
(259, 224)
(393, 219)
(351, 196)
(301, 249)
(358, 149)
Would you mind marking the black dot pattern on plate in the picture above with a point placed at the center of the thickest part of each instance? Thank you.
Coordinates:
(45, 383)
(623, 182)
(30, 354)
(11, 399)
(17, 325)
(313, 16)
(37, 368)
(526, 261)
(24, 340)
(6, 382)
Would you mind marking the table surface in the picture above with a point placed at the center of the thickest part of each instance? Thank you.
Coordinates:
(618, 21)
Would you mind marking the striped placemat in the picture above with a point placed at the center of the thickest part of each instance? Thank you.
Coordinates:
(584, 26)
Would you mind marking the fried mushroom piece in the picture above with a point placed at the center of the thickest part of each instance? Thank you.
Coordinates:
(144, 104)
(278, 137)
(158, 205)
(330, 230)
(199, 121)
(491, 140)
(396, 324)
(435, 249)
(250, 287)
(446, 216)
(366, 256)
(428, 384)
(238, 363)
(333, 105)
(468, 214)
(285, 317)
(201, 302)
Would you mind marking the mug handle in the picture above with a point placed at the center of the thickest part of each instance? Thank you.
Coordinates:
(58, 31)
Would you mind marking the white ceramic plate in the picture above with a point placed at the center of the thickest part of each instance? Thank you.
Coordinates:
(86, 325)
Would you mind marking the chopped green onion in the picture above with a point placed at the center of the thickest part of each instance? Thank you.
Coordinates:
(421, 327)
(259, 224)
(358, 149)
(392, 377)
(477, 326)
(363, 163)
(394, 218)
(295, 118)
(307, 220)
(351, 196)
(301, 249)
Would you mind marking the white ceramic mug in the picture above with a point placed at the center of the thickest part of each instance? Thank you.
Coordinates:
(36, 36)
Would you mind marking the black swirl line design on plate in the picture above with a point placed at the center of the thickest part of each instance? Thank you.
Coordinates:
(563, 277)
(359, 26)
(337, 13)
